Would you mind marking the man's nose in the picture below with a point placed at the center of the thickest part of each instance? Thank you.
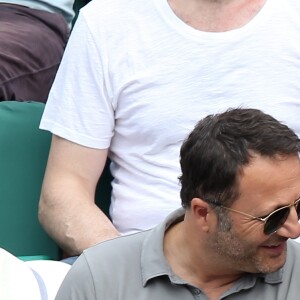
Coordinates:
(291, 227)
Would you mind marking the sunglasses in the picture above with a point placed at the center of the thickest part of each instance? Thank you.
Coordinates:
(274, 220)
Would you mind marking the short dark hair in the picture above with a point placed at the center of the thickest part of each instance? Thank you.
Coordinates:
(214, 153)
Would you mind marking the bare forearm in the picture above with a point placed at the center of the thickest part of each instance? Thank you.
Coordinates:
(75, 224)
(67, 209)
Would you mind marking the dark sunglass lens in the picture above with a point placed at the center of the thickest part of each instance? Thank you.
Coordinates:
(276, 220)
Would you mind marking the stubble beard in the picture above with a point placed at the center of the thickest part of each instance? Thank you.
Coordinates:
(237, 254)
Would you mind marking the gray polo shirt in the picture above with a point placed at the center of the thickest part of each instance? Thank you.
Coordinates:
(134, 268)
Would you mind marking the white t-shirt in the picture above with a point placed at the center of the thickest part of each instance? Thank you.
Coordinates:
(30, 280)
(136, 79)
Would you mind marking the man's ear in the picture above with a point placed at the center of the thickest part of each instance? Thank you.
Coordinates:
(200, 210)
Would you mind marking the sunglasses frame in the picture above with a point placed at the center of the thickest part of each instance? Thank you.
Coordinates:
(263, 219)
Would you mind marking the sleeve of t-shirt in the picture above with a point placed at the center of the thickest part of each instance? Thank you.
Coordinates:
(79, 107)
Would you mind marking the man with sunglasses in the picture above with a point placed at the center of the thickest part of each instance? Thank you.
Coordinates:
(240, 190)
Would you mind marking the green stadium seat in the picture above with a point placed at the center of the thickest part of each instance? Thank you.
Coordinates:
(23, 155)
(24, 152)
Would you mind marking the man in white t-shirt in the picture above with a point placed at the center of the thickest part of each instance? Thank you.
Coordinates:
(135, 78)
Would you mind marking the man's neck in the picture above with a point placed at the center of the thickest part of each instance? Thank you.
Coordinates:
(193, 264)
(216, 15)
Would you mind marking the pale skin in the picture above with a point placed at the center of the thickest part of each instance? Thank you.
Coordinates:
(190, 246)
(67, 209)
(216, 15)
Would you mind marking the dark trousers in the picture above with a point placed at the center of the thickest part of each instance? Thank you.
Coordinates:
(32, 43)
